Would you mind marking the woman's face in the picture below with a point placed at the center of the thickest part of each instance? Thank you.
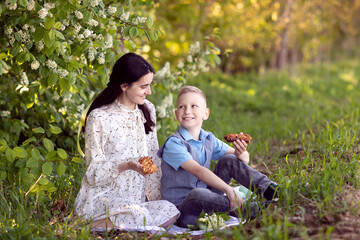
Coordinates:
(136, 92)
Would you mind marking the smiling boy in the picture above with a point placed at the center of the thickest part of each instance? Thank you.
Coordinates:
(187, 181)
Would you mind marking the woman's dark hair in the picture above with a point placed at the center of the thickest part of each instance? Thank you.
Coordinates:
(129, 68)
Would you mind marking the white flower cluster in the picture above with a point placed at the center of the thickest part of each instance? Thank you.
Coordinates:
(45, 10)
(138, 20)
(10, 5)
(79, 15)
(167, 102)
(112, 10)
(5, 113)
(39, 45)
(24, 79)
(31, 5)
(101, 58)
(43, 13)
(125, 16)
(93, 23)
(91, 54)
(213, 221)
(51, 64)
(109, 41)
(195, 48)
(56, 96)
(94, 3)
(164, 72)
(35, 65)
(202, 65)
(62, 72)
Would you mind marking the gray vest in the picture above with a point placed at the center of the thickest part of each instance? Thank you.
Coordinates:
(176, 184)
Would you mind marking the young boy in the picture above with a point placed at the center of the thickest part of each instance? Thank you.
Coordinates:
(186, 179)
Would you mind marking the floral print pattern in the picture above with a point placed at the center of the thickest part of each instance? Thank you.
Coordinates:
(115, 134)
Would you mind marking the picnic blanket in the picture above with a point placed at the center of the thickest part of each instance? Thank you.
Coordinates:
(174, 230)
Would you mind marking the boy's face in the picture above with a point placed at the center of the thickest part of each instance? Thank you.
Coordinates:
(191, 110)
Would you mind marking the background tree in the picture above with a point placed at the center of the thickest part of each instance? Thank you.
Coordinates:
(54, 57)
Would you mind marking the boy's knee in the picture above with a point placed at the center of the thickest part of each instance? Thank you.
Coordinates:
(229, 159)
(197, 193)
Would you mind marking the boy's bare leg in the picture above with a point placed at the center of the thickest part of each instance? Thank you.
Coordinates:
(103, 223)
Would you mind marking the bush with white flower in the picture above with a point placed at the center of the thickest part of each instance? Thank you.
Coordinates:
(54, 57)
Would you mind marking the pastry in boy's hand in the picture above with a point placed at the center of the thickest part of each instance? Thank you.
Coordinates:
(148, 165)
(234, 136)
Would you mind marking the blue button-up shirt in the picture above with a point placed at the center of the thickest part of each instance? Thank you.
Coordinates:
(175, 153)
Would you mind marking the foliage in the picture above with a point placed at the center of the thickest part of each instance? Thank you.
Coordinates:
(315, 109)
(260, 34)
(55, 56)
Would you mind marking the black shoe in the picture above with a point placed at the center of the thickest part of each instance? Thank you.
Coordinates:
(271, 193)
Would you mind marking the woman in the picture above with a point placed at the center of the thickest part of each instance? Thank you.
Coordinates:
(120, 128)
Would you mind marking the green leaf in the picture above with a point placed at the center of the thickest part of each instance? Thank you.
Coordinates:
(27, 141)
(3, 55)
(15, 50)
(52, 79)
(20, 152)
(76, 159)
(39, 34)
(57, 25)
(43, 181)
(10, 155)
(49, 38)
(38, 130)
(55, 129)
(62, 153)
(32, 162)
(2, 175)
(52, 156)
(217, 59)
(2, 148)
(153, 35)
(47, 168)
(49, 23)
(134, 32)
(48, 144)
(3, 142)
(23, 3)
(61, 169)
(20, 163)
(59, 35)
(64, 84)
(149, 22)
(35, 153)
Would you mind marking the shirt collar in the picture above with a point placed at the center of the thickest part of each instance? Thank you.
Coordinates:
(136, 110)
(186, 135)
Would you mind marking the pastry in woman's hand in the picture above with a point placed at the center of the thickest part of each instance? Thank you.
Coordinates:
(148, 165)
(234, 136)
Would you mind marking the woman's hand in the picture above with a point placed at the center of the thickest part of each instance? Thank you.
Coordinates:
(132, 165)
(234, 198)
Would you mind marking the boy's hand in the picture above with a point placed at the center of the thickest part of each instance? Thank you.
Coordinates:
(240, 150)
(234, 198)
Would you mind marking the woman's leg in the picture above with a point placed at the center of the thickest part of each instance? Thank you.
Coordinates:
(103, 223)
(169, 222)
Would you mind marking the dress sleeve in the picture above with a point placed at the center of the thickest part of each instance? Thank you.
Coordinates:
(153, 181)
(99, 171)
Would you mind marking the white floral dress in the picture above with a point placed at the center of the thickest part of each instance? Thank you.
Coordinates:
(115, 134)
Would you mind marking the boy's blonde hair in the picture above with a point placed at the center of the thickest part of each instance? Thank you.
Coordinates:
(191, 89)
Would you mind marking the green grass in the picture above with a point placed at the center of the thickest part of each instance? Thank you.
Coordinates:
(305, 128)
